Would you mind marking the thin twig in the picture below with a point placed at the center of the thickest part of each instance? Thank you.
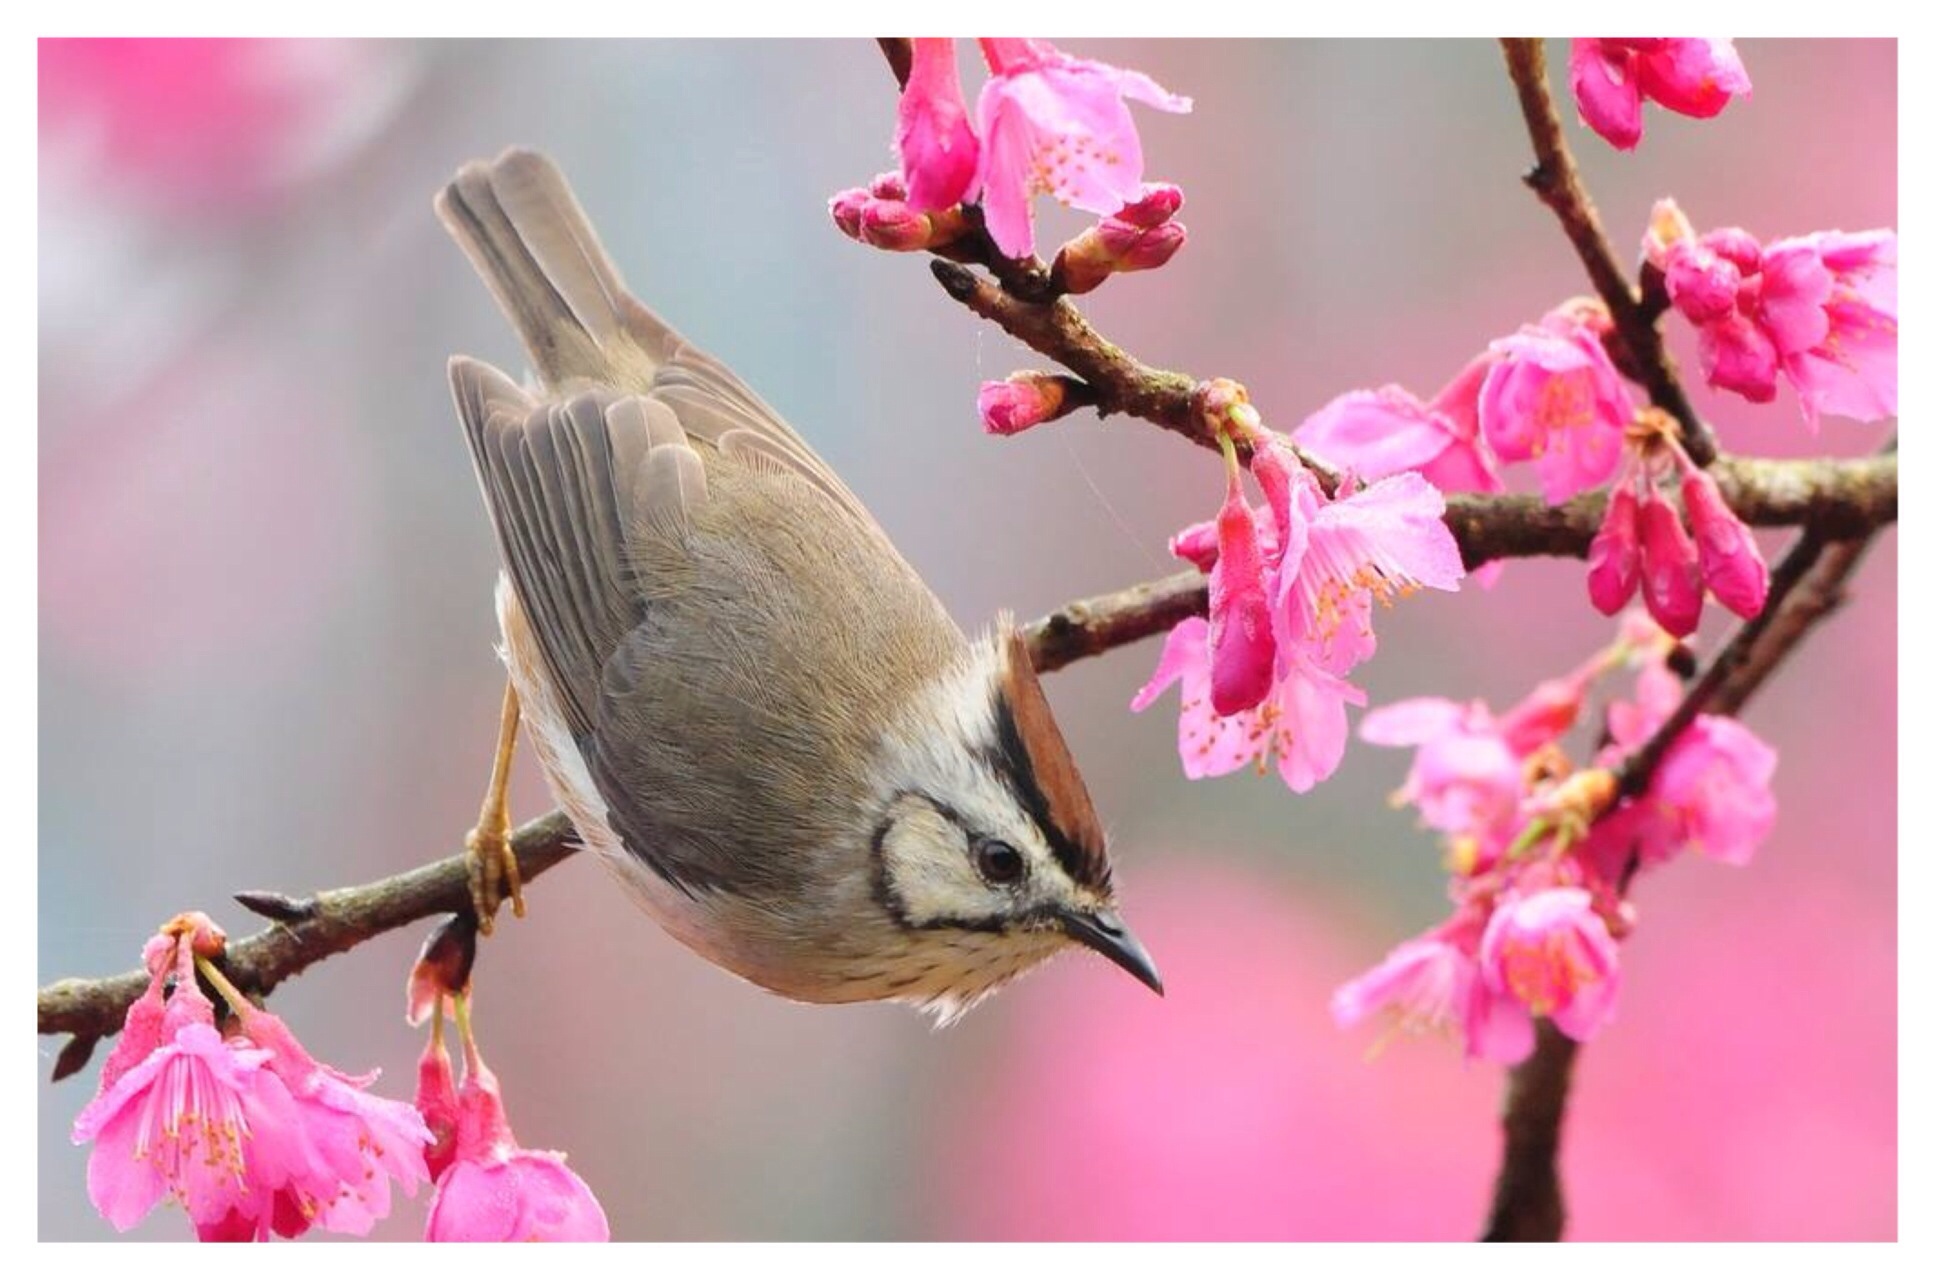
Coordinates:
(899, 52)
(1808, 585)
(339, 920)
(1555, 178)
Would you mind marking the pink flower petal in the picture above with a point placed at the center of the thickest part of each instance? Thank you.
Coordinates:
(1607, 91)
(1613, 558)
(1552, 953)
(1670, 569)
(1242, 648)
(1694, 77)
(1730, 559)
(1554, 399)
(1382, 542)
(1058, 125)
(1374, 432)
(939, 152)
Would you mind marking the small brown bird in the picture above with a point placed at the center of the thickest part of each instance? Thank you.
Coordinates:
(752, 708)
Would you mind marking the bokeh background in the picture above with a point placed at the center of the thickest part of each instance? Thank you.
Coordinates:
(265, 633)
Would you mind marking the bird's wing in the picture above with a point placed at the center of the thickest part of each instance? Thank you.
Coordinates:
(570, 485)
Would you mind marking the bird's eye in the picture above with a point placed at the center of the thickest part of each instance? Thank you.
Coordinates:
(999, 863)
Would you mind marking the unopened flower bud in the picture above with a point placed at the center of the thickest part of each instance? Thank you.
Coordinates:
(204, 937)
(1022, 401)
(1613, 558)
(846, 208)
(1667, 229)
(1083, 264)
(1670, 568)
(1134, 248)
(1217, 399)
(443, 966)
(1730, 559)
(893, 226)
(1158, 202)
(1120, 245)
(889, 185)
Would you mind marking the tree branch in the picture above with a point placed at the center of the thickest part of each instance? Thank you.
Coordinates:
(1835, 498)
(1555, 178)
(1807, 586)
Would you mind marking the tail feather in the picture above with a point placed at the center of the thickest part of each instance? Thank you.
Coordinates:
(521, 226)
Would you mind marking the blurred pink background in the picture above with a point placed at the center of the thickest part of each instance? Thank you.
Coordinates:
(265, 633)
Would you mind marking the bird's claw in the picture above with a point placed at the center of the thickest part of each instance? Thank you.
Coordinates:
(493, 875)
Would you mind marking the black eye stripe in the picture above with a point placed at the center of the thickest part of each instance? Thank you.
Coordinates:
(1009, 759)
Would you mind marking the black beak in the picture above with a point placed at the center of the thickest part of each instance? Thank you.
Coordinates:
(1103, 932)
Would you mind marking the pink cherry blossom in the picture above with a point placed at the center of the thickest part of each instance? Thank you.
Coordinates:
(1552, 953)
(1468, 776)
(1301, 722)
(197, 1119)
(1243, 651)
(1819, 310)
(494, 1190)
(359, 1142)
(1731, 562)
(937, 144)
(1056, 124)
(1383, 541)
(1692, 77)
(1465, 779)
(1849, 367)
(1670, 568)
(1713, 794)
(1423, 984)
(249, 1134)
(1432, 983)
(1376, 433)
(1552, 397)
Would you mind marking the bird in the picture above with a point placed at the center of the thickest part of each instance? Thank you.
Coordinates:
(753, 710)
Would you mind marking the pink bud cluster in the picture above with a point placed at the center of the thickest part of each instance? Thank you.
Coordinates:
(1142, 235)
(1691, 77)
(1540, 853)
(1046, 122)
(1643, 545)
(1818, 311)
(879, 215)
(238, 1124)
(1292, 584)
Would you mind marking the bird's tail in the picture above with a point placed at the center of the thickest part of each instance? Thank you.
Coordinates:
(517, 220)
